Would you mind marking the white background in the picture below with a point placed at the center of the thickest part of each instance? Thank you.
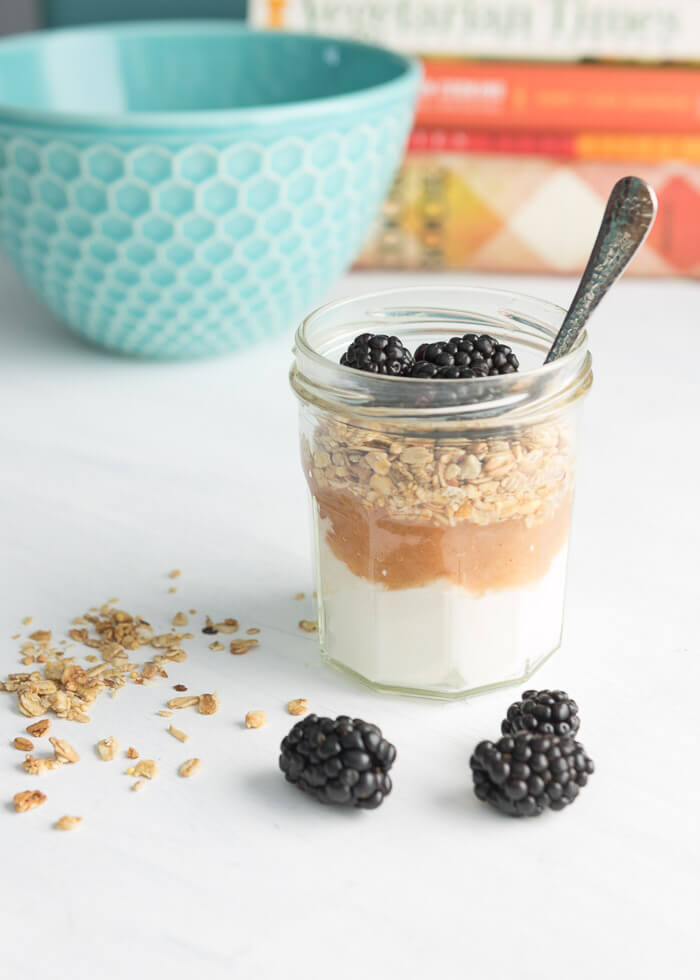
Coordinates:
(114, 472)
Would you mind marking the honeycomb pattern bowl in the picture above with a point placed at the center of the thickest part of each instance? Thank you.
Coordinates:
(180, 189)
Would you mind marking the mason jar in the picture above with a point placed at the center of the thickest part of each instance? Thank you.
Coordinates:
(441, 508)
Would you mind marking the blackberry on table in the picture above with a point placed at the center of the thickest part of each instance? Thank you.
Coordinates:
(545, 712)
(471, 356)
(342, 761)
(522, 775)
(378, 354)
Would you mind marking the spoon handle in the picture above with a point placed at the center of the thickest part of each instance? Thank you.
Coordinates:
(629, 215)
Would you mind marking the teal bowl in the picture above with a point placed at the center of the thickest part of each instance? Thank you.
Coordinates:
(179, 189)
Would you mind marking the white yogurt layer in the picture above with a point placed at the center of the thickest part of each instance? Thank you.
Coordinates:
(438, 636)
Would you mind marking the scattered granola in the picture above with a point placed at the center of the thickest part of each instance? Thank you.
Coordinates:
(172, 590)
(138, 785)
(68, 823)
(208, 704)
(300, 595)
(39, 728)
(166, 714)
(238, 647)
(176, 573)
(27, 620)
(23, 744)
(180, 619)
(64, 751)
(308, 625)
(28, 799)
(176, 733)
(190, 767)
(216, 646)
(144, 767)
(298, 707)
(179, 687)
(255, 719)
(131, 753)
(253, 631)
(108, 748)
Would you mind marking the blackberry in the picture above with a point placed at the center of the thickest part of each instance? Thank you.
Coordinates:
(378, 354)
(471, 356)
(522, 775)
(545, 712)
(344, 761)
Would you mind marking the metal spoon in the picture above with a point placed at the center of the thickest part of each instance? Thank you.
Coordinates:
(629, 215)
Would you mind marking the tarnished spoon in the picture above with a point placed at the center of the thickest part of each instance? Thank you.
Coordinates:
(629, 215)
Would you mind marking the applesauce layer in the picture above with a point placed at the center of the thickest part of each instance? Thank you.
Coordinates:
(404, 554)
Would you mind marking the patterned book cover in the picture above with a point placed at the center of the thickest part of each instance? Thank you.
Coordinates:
(548, 29)
(534, 213)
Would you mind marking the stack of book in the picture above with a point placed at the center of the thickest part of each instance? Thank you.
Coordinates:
(529, 113)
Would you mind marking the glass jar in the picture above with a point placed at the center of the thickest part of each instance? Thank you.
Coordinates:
(441, 508)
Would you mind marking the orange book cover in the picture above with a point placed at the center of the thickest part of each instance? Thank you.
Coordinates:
(559, 97)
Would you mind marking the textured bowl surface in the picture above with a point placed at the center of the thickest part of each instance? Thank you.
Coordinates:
(182, 189)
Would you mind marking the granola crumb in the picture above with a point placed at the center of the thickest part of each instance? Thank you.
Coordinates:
(190, 767)
(180, 619)
(176, 733)
(64, 751)
(39, 728)
(41, 636)
(23, 744)
(255, 719)
(27, 620)
(193, 612)
(108, 748)
(37, 767)
(187, 702)
(216, 646)
(253, 631)
(176, 573)
(300, 595)
(138, 785)
(148, 768)
(208, 704)
(298, 707)
(308, 625)
(131, 753)
(238, 647)
(179, 687)
(28, 799)
(172, 590)
(68, 823)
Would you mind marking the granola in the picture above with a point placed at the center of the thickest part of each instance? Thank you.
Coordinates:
(68, 823)
(444, 480)
(255, 719)
(238, 647)
(176, 733)
(208, 704)
(298, 707)
(64, 751)
(28, 799)
(190, 767)
(108, 748)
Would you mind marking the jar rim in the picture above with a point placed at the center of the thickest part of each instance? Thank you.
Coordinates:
(317, 378)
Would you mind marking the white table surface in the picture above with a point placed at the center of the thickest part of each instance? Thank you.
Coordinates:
(114, 472)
